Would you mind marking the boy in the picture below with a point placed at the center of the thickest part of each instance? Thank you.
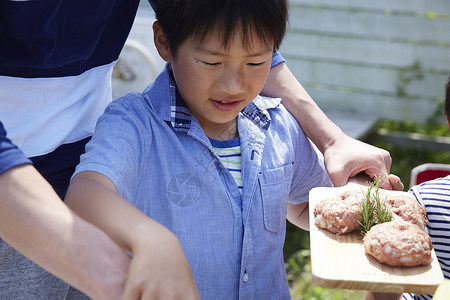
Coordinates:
(434, 195)
(200, 153)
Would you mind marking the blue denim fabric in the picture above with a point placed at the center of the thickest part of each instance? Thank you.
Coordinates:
(276, 59)
(170, 172)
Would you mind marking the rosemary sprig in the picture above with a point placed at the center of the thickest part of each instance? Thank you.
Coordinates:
(373, 209)
(382, 210)
(366, 212)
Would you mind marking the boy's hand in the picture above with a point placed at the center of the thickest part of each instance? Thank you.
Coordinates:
(348, 157)
(159, 270)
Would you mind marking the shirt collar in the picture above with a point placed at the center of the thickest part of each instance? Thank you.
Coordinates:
(180, 116)
(258, 110)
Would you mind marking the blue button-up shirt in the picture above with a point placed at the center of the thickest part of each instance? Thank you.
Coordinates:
(157, 155)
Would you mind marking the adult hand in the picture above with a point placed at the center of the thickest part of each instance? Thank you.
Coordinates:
(347, 157)
(159, 270)
(395, 182)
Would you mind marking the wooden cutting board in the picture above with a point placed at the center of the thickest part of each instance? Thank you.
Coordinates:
(339, 261)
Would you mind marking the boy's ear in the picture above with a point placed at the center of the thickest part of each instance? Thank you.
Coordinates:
(161, 44)
(448, 120)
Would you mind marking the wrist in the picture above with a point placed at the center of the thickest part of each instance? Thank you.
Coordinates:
(331, 139)
(152, 235)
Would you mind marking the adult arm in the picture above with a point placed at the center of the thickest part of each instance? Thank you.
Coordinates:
(35, 221)
(159, 268)
(344, 156)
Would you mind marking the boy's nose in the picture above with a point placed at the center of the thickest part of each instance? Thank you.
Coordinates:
(232, 82)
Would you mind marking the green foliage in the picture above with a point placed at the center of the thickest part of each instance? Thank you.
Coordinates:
(405, 159)
(296, 239)
(430, 129)
(406, 76)
(298, 270)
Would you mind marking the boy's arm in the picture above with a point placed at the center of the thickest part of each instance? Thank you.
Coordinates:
(344, 156)
(35, 221)
(298, 214)
(158, 269)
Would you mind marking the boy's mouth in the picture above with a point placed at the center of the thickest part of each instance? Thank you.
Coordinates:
(226, 105)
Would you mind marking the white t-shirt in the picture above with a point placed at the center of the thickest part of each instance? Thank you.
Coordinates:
(56, 110)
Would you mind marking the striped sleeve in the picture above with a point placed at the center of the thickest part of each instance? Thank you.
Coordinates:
(435, 197)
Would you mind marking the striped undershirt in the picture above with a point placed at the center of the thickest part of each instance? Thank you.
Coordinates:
(435, 197)
(229, 153)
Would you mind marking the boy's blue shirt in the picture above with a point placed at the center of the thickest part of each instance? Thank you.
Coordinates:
(160, 160)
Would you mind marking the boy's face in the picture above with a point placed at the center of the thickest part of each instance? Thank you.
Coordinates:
(217, 83)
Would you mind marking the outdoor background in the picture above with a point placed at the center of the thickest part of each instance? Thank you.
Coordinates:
(377, 68)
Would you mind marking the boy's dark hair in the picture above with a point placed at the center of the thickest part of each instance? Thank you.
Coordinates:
(183, 19)
(447, 98)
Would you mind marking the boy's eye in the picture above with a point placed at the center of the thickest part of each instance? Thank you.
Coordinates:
(256, 64)
(210, 64)
(218, 63)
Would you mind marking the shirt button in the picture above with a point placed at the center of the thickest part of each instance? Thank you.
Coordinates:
(245, 277)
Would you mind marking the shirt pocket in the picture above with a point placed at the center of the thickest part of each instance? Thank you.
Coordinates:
(275, 186)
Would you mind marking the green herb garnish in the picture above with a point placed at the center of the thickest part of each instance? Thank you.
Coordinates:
(373, 209)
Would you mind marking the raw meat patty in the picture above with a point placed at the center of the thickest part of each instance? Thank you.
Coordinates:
(405, 207)
(339, 214)
(398, 243)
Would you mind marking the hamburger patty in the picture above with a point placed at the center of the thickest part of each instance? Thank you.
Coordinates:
(398, 243)
(339, 214)
(405, 207)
